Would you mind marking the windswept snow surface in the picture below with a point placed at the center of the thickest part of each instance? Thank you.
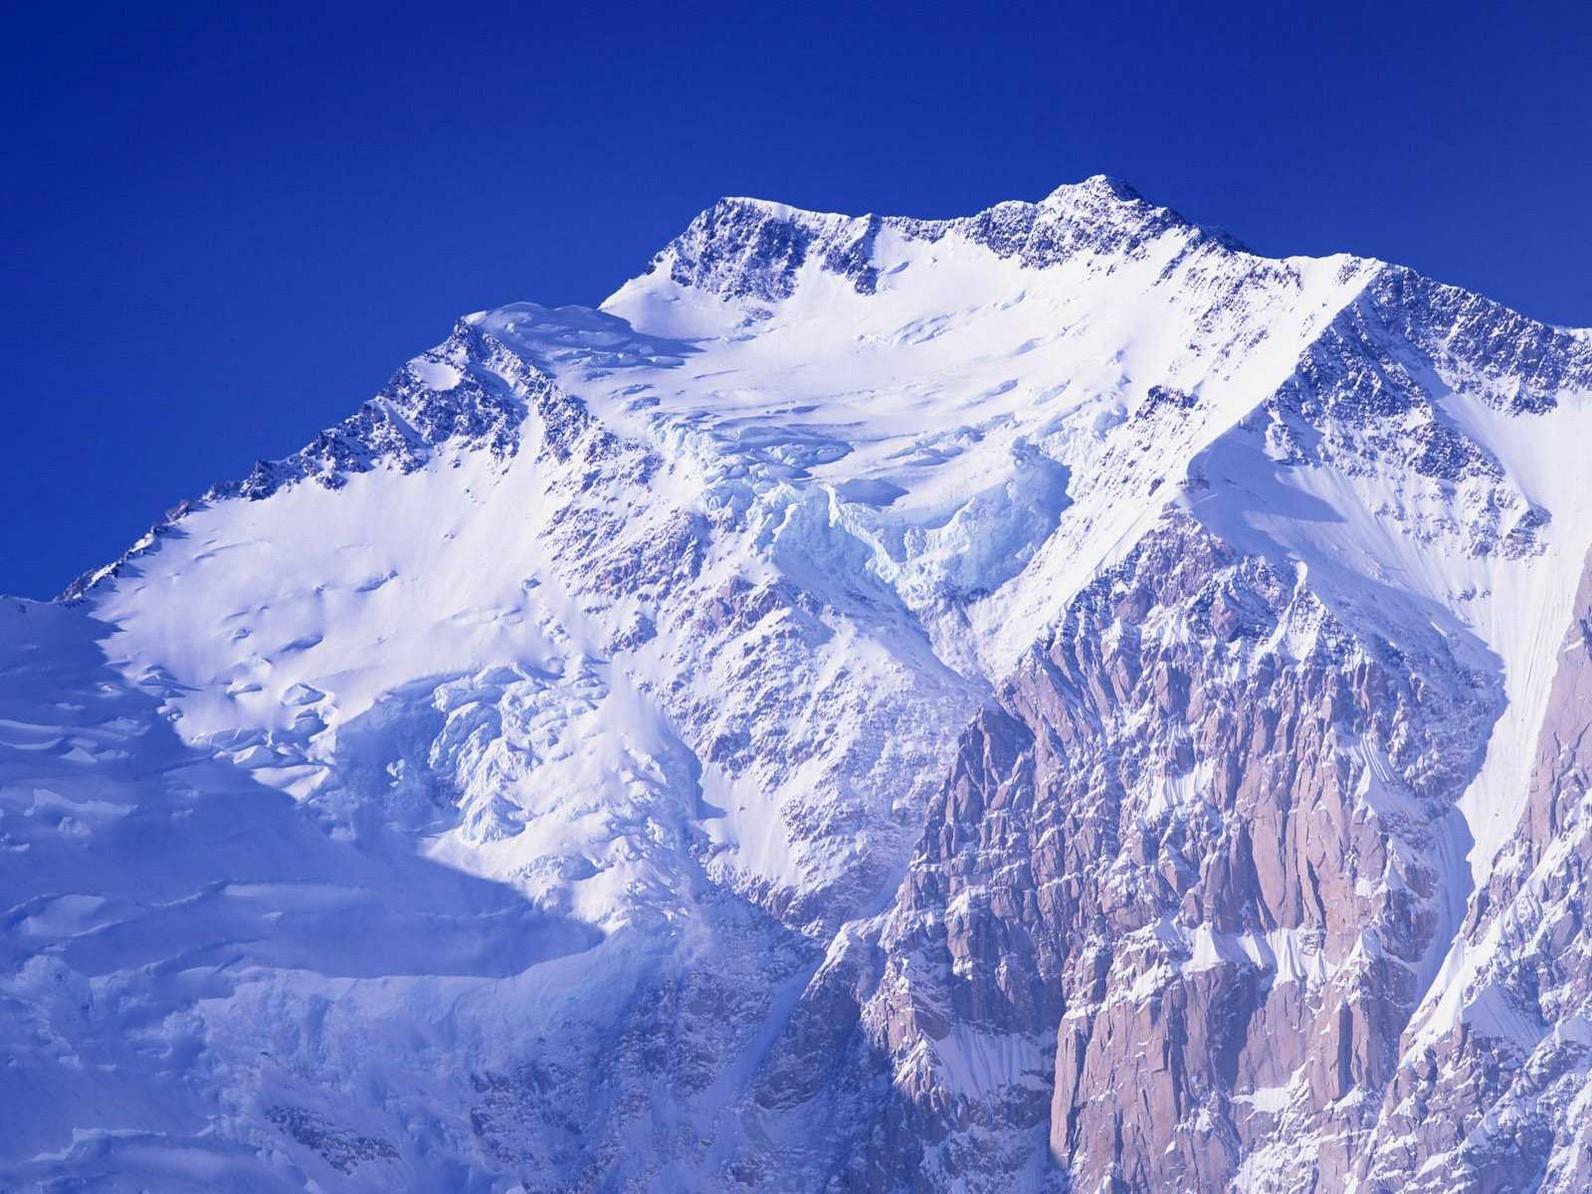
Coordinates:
(176, 931)
(615, 652)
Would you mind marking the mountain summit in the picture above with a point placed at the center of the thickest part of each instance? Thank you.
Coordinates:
(1042, 700)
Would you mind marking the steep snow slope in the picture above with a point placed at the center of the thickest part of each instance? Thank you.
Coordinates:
(900, 454)
(661, 627)
(1078, 350)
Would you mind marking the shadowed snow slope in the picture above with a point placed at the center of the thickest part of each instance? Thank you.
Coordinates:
(820, 721)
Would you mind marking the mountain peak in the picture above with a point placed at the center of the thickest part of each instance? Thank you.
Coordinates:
(754, 249)
(849, 688)
(1111, 201)
(1101, 185)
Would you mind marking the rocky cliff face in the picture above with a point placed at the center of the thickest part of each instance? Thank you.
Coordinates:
(1047, 700)
(1492, 1092)
(1172, 909)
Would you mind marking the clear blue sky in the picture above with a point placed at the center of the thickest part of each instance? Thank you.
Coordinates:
(222, 231)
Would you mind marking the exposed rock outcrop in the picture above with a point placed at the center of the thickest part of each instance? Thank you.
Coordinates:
(1175, 904)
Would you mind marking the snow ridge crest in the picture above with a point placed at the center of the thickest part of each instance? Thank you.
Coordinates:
(754, 249)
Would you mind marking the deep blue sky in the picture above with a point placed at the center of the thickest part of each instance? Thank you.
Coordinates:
(223, 231)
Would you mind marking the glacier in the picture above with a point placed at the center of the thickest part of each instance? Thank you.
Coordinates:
(1045, 700)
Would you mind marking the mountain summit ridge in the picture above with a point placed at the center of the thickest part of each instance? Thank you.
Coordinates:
(773, 239)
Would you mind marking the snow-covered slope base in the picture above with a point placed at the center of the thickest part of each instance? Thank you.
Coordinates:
(1047, 697)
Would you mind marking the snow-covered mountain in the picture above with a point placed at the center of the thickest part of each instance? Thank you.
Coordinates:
(1045, 700)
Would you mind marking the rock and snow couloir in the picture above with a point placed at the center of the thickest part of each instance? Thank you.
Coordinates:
(1043, 700)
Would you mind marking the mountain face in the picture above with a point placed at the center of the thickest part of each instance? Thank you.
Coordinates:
(1047, 701)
